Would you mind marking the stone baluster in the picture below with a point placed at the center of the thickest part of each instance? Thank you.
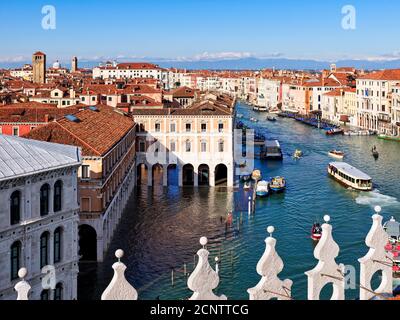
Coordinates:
(119, 288)
(327, 271)
(22, 287)
(204, 279)
(377, 259)
(269, 266)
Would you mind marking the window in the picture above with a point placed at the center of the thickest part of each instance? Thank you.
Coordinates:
(15, 207)
(15, 131)
(172, 146)
(58, 292)
(188, 146)
(45, 295)
(158, 127)
(203, 146)
(85, 172)
(203, 127)
(15, 259)
(220, 127)
(188, 127)
(172, 127)
(221, 146)
(142, 146)
(44, 249)
(44, 200)
(57, 245)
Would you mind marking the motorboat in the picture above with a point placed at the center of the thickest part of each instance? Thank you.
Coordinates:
(253, 119)
(334, 131)
(262, 109)
(262, 189)
(256, 175)
(277, 184)
(239, 116)
(336, 154)
(298, 154)
(350, 176)
(316, 232)
(272, 119)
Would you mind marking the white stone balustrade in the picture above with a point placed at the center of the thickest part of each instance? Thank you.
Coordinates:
(269, 266)
(327, 271)
(204, 279)
(377, 259)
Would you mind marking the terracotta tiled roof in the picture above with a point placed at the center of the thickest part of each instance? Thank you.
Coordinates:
(96, 132)
(390, 74)
(39, 53)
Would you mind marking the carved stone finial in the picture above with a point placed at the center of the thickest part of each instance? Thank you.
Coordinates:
(119, 288)
(22, 287)
(377, 259)
(327, 271)
(269, 266)
(204, 279)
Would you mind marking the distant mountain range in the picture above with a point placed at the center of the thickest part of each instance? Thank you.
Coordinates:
(250, 64)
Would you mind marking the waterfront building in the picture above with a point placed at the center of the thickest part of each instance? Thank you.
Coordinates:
(374, 100)
(339, 105)
(396, 109)
(39, 67)
(38, 216)
(268, 92)
(106, 177)
(195, 143)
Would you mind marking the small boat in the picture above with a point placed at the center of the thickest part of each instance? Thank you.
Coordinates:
(262, 109)
(253, 120)
(247, 185)
(277, 184)
(274, 110)
(390, 138)
(316, 232)
(298, 154)
(375, 153)
(272, 119)
(239, 116)
(262, 189)
(336, 154)
(350, 176)
(243, 165)
(333, 132)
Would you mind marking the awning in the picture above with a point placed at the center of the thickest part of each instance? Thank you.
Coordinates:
(344, 118)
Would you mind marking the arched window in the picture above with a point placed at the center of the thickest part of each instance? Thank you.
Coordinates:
(15, 259)
(58, 292)
(58, 196)
(44, 249)
(45, 295)
(221, 146)
(15, 207)
(44, 200)
(203, 146)
(57, 245)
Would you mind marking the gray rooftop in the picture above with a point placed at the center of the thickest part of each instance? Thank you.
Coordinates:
(20, 157)
(350, 170)
(392, 228)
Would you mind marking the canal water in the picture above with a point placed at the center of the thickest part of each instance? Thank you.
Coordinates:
(160, 229)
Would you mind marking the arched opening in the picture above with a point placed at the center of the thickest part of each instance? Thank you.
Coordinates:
(327, 292)
(188, 175)
(57, 196)
(59, 292)
(204, 175)
(141, 174)
(173, 175)
(57, 245)
(44, 249)
(44, 200)
(221, 175)
(158, 173)
(15, 259)
(376, 280)
(87, 243)
(15, 207)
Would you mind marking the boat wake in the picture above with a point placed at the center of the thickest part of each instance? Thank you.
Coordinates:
(375, 198)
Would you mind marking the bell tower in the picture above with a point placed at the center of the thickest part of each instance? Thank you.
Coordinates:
(39, 67)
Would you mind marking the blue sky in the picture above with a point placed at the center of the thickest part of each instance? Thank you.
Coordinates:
(189, 29)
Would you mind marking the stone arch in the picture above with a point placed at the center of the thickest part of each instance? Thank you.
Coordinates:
(188, 175)
(87, 243)
(221, 174)
(157, 174)
(142, 174)
(173, 175)
(204, 175)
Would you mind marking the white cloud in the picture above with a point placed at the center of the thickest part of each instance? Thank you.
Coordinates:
(14, 59)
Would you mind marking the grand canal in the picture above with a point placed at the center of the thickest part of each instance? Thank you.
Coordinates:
(160, 229)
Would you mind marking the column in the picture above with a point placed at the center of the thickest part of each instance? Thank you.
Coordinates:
(230, 176)
(212, 176)
(100, 249)
(165, 175)
(180, 175)
(149, 176)
(196, 175)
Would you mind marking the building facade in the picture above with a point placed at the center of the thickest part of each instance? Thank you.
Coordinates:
(39, 217)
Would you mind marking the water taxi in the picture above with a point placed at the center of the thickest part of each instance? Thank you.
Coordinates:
(297, 154)
(277, 184)
(273, 150)
(336, 154)
(262, 189)
(350, 176)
